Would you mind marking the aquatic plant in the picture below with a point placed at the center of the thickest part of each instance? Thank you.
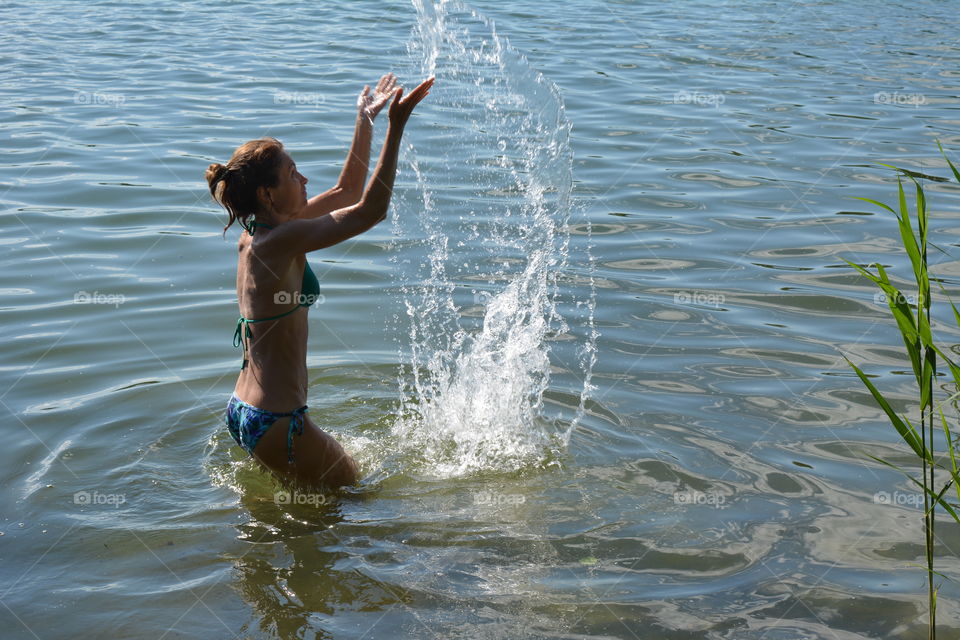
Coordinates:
(913, 321)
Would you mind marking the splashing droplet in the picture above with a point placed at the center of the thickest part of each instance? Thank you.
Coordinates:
(485, 335)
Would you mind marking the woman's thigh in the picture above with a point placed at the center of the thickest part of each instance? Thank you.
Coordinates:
(319, 460)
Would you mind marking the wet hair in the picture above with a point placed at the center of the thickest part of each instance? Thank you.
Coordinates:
(253, 165)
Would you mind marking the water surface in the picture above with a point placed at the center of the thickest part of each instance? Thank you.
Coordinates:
(717, 484)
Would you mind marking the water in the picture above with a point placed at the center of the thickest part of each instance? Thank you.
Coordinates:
(475, 400)
(707, 477)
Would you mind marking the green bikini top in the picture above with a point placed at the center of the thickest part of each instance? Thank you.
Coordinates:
(309, 293)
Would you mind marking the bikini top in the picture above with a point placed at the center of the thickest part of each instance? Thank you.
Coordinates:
(309, 293)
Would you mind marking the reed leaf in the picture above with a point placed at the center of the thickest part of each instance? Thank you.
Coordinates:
(903, 427)
(902, 312)
(953, 456)
(876, 202)
(956, 174)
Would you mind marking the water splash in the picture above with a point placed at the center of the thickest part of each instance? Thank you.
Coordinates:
(488, 319)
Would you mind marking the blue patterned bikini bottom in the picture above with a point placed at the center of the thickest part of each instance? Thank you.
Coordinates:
(248, 423)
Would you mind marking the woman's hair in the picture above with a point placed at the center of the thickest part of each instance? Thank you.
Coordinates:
(253, 165)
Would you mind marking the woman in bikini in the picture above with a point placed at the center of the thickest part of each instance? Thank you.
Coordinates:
(262, 190)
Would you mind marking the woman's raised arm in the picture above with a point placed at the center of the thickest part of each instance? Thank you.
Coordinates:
(309, 235)
(349, 187)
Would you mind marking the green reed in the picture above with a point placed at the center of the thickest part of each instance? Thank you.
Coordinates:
(914, 323)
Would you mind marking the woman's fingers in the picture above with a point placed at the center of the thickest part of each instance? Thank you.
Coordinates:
(402, 106)
(386, 84)
(420, 92)
(421, 89)
(389, 86)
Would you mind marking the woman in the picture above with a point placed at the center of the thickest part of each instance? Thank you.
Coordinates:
(261, 189)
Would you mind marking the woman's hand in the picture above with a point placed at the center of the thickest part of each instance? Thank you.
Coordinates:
(370, 105)
(401, 108)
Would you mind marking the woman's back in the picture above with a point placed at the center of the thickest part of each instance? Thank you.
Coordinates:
(275, 377)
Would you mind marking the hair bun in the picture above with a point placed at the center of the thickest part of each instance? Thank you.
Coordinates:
(215, 173)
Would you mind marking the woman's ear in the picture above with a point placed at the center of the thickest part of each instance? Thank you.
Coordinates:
(263, 195)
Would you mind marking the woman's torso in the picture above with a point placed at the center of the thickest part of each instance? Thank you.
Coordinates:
(275, 377)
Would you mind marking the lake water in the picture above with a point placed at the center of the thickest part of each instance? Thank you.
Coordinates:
(661, 439)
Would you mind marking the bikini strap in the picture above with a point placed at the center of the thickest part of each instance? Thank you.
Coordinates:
(296, 426)
(240, 340)
(253, 226)
(242, 334)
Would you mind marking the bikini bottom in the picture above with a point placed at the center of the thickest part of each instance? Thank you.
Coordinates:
(248, 423)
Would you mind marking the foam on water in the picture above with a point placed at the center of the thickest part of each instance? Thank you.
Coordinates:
(488, 319)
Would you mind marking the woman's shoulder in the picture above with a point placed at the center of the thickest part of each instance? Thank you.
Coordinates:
(261, 259)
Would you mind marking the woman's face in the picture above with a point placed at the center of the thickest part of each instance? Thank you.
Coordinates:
(289, 195)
